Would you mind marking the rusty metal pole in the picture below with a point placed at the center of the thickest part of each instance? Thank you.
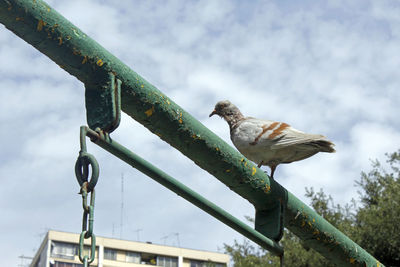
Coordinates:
(45, 29)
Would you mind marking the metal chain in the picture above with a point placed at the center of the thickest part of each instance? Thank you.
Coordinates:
(87, 188)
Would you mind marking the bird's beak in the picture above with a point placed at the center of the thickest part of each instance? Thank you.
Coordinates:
(213, 113)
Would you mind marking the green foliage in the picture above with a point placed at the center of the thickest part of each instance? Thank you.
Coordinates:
(372, 224)
(377, 221)
(296, 254)
(246, 254)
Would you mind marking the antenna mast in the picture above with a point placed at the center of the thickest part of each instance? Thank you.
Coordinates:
(122, 206)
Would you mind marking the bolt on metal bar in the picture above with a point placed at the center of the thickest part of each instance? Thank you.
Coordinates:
(45, 29)
(182, 190)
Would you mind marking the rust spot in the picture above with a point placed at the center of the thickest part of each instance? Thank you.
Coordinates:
(228, 170)
(195, 136)
(352, 261)
(19, 19)
(217, 148)
(54, 27)
(84, 60)
(60, 41)
(40, 25)
(278, 131)
(254, 170)
(150, 111)
(267, 188)
(99, 62)
(180, 118)
(265, 129)
(75, 51)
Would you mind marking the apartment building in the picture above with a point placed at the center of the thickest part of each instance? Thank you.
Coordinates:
(60, 249)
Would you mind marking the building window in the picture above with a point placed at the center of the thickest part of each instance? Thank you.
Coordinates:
(110, 254)
(133, 257)
(65, 264)
(167, 261)
(194, 263)
(149, 259)
(63, 250)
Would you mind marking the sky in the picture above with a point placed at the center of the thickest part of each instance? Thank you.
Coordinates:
(324, 67)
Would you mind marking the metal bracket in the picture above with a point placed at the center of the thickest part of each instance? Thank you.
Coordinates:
(270, 222)
(103, 104)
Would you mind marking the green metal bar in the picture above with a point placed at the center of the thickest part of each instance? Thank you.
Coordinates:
(41, 26)
(174, 185)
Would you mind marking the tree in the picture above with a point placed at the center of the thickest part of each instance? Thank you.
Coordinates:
(296, 254)
(377, 220)
(372, 223)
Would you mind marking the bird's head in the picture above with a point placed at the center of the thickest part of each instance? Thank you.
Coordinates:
(222, 108)
(225, 109)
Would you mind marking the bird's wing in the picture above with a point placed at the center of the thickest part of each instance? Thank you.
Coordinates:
(277, 135)
(269, 141)
(293, 137)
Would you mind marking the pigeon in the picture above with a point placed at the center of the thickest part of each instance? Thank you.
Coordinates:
(269, 142)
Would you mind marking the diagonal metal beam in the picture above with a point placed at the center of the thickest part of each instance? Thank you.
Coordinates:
(174, 185)
(45, 29)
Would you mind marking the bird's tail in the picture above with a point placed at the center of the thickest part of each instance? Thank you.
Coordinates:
(324, 145)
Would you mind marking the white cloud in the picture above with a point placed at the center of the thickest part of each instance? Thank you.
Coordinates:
(374, 140)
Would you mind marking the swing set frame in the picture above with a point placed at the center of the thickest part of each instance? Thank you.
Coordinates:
(45, 29)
